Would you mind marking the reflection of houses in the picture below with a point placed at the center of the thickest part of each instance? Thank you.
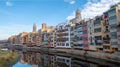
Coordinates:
(48, 60)
(65, 60)
(32, 58)
(78, 63)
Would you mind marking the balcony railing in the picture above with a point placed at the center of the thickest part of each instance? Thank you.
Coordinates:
(106, 30)
(62, 39)
(106, 38)
(106, 42)
(105, 22)
(62, 34)
(62, 30)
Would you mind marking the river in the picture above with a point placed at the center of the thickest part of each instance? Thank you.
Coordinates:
(37, 59)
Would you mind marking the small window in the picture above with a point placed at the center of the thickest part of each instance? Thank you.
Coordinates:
(67, 44)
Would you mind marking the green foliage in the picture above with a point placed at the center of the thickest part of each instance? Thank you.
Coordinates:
(7, 58)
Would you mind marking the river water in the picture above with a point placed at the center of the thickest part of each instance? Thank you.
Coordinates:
(37, 59)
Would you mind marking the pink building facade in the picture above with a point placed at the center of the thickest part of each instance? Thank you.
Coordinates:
(85, 36)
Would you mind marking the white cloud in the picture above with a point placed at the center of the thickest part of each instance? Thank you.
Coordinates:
(8, 3)
(95, 7)
(71, 16)
(7, 31)
(70, 1)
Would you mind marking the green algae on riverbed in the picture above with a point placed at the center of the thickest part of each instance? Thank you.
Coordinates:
(7, 58)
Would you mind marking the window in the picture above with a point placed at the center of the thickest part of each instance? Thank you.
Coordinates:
(91, 43)
(119, 37)
(80, 38)
(67, 61)
(85, 32)
(98, 44)
(98, 37)
(97, 30)
(113, 35)
(113, 19)
(114, 43)
(112, 11)
(90, 33)
(79, 28)
(84, 38)
(113, 26)
(79, 32)
(106, 47)
(67, 44)
(80, 45)
(97, 24)
(85, 45)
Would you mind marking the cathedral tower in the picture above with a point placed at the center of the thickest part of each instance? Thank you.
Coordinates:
(34, 28)
(78, 15)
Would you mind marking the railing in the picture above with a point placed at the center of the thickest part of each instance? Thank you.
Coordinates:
(106, 42)
(106, 30)
(105, 23)
(62, 34)
(106, 38)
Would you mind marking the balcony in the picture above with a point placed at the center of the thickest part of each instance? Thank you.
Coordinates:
(98, 41)
(107, 37)
(78, 42)
(62, 30)
(62, 34)
(106, 30)
(105, 23)
(84, 35)
(118, 37)
(62, 39)
(85, 28)
(78, 24)
(105, 15)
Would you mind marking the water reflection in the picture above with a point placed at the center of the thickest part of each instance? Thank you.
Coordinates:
(35, 59)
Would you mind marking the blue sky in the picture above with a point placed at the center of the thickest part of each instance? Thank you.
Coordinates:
(19, 15)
